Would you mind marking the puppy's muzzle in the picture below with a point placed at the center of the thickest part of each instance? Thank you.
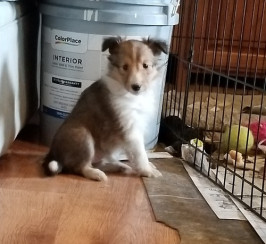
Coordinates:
(135, 87)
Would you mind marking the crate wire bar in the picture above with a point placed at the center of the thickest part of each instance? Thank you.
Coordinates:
(215, 82)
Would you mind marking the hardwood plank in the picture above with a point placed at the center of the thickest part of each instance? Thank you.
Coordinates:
(71, 209)
(114, 212)
(28, 217)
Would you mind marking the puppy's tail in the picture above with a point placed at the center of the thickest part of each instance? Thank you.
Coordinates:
(51, 167)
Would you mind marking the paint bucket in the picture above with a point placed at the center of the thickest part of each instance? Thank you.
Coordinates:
(72, 34)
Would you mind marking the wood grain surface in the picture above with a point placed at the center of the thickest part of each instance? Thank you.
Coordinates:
(70, 209)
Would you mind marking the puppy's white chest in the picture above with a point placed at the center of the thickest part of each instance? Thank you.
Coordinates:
(134, 111)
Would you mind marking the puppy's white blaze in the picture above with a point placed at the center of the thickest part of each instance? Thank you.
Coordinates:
(53, 166)
(133, 110)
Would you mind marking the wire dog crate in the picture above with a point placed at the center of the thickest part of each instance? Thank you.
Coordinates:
(215, 92)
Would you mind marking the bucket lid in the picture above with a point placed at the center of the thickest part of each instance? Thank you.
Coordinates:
(87, 3)
(134, 12)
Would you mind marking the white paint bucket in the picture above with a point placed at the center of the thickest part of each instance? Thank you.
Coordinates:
(72, 34)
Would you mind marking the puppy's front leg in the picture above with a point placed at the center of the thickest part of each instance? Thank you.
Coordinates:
(135, 150)
(112, 164)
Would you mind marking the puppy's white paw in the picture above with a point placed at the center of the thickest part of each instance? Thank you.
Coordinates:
(149, 172)
(114, 166)
(126, 169)
(94, 174)
(99, 175)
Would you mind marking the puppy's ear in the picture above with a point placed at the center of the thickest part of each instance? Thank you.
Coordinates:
(111, 43)
(156, 46)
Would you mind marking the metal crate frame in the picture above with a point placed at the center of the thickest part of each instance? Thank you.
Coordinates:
(192, 80)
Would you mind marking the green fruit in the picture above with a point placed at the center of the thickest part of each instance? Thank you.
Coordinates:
(246, 139)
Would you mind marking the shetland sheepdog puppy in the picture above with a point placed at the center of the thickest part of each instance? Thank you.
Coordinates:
(111, 116)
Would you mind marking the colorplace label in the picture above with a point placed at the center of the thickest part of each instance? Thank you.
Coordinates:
(69, 41)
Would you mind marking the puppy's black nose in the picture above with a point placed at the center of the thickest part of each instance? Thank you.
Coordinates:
(136, 87)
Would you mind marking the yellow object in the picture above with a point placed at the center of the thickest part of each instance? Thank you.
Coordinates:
(196, 143)
(242, 142)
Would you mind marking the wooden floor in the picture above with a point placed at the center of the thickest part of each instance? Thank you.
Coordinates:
(69, 209)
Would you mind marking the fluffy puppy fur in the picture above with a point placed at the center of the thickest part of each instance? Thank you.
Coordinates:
(110, 116)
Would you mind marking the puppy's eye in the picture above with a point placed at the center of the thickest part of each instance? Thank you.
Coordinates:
(145, 66)
(125, 67)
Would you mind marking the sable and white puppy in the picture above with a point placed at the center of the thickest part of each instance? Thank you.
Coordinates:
(111, 115)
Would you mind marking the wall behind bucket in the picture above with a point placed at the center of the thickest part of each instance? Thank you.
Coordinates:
(72, 59)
